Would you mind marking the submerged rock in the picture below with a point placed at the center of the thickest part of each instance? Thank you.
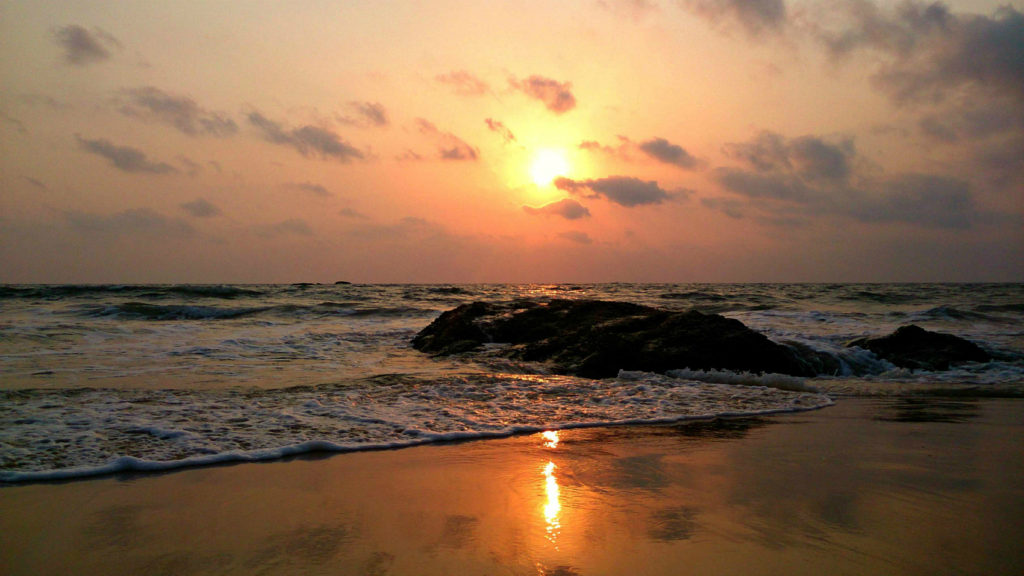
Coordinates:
(596, 339)
(916, 348)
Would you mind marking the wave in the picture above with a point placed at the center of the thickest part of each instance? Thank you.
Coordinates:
(149, 290)
(152, 430)
(177, 312)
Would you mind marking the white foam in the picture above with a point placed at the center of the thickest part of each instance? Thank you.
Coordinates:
(52, 435)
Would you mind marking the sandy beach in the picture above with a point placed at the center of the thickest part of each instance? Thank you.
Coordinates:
(879, 486)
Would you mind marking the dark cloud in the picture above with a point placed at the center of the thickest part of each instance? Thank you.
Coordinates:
(82, 47)
(291, 227)
(308, 140)
(124, 158)
(809, 176)
(129, 222)
(808, 157)
(463, 83)
(317, 189)
(566, 208)
(201, 208)
(975, 120)
(755, 16)
(576, 236)
(556, 96)
(669, 153)
(369, 114)
(180, 112)
(450, 146)
(501, 129)
(622, 190)
(928, 52)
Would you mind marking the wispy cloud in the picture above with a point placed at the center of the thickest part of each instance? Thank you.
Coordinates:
(501, 130)
(556, 96)
(124, 158)
(83, 47)
(313, 188)
(290, 227)
(129, 222)
(181, 112)
(372, 114)
(307, 140)
(577, 237)
(566, 208)
(450, 146)
(463, 83)
(201, 208)
(658, 149)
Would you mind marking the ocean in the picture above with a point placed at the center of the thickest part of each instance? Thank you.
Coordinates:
(99, 379)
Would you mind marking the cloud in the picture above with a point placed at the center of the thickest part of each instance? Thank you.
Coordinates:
(369, 114)
(290, 227)
(317, 189)
(556, 96)
(82, 47)
(129, 222)
(181, 112)
(635, 9)
(501, 129)
(664, 151)
(200, 208)
(576, 236)
(124, 158)
(308, 140)
(755, 16)
(566, 208)
(350, 213)
(450, 146)
(622, 190)
(809, 176)
(658, 149)
(928, 52)
(463, 83)
(809, 157)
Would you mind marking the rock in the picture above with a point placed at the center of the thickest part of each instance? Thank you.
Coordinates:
(918, 349)
(596, 339)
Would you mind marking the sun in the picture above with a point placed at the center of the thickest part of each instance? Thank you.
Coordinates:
(548, 164)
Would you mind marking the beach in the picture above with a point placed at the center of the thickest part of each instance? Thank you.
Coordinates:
(867, 486)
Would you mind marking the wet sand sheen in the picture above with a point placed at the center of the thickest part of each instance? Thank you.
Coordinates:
(882, 486)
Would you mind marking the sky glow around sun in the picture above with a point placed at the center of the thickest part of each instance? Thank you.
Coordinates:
(717, 141)
(548, 164)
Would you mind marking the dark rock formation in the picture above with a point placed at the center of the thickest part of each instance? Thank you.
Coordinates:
(596, 339)
(916, 348)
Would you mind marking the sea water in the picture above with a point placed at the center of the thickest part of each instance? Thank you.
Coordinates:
(99, 379)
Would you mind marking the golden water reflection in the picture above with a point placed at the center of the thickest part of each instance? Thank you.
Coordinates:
(553, 505)
(550, 438)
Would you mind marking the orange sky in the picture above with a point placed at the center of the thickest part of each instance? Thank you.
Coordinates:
(697, 140)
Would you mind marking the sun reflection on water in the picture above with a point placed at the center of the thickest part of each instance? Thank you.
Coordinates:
(550, 438)
(552, 506)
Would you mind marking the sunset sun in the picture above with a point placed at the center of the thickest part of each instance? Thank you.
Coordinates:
(547, 165)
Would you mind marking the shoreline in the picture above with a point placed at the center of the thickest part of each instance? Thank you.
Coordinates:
(880, 485)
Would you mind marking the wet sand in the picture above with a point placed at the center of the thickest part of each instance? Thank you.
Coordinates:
(880, 486)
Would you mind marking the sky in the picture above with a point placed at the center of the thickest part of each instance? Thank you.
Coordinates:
(511, 141)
